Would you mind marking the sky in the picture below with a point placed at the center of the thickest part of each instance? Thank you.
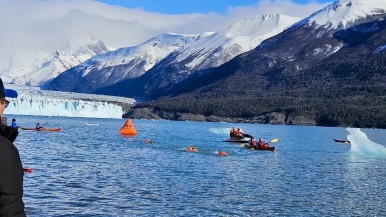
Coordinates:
(194, 6)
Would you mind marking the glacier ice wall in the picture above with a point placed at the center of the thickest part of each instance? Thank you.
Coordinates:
(52, 103)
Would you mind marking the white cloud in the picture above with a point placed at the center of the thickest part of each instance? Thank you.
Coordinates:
(33, 29)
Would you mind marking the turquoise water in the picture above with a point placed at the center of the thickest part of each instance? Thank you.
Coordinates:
(88, 169)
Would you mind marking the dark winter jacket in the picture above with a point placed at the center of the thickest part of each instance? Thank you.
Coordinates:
(11, 174)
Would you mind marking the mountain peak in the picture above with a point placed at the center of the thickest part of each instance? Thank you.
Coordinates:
(259, 25)
(344, 13)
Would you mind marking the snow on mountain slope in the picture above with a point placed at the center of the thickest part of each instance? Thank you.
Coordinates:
(59, 62)
(124, 63)
(228, 42)
(343, 13)
(147, 54)
(209, 50)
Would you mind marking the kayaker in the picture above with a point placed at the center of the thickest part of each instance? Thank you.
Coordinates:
(38, 126)
(11, 169)
(14, 125)
(261, 144)
(253, 143)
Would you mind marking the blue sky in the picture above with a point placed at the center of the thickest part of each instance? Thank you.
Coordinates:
(193, 6)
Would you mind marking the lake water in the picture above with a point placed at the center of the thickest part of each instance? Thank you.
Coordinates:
(88, 169)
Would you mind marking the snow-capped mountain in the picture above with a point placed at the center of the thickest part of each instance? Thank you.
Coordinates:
(212, 51)
(124, 63)
(345, 13)
(32, 30)
(233, 40)
(58, 62)
(310, 73)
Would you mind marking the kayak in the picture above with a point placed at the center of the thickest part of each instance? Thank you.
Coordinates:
(341, 141)
(242, 140)
(259, 148)
(42, 129)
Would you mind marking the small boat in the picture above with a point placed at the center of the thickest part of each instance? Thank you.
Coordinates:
(242, 140)
(260, 148)
(44, 129)
(341, 141)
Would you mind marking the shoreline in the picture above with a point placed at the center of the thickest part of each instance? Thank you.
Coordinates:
(273, 118)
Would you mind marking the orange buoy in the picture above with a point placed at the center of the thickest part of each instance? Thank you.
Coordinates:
(222, 153)
(128, 129)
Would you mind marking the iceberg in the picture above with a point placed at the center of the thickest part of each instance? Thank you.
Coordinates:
(33, 101)
(362, 145)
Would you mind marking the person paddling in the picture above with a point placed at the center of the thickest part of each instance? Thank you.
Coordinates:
(38, 126)
(261, 144)
(253, 143)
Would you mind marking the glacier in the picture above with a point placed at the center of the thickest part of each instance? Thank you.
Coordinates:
(33, 101)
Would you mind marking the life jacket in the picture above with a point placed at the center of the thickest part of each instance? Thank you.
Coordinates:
(253, 142)
(232, 133)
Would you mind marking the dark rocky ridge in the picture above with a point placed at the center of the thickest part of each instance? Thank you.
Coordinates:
(270, 118)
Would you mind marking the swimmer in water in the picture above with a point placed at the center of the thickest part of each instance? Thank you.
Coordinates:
(222, 153)
(192, 149)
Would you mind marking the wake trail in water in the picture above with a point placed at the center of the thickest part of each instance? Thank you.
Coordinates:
(87, 124)
(362, 145)
(222, 131)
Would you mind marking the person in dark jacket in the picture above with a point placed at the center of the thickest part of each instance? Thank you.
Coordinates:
(11, 170)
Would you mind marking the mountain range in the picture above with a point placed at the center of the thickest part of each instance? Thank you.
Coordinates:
(124, 63)
(49, 68)
(328, 69)
(169, 58)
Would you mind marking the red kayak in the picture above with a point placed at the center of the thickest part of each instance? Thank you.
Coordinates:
(42, 129)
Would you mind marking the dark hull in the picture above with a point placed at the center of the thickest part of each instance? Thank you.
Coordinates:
(341, 141)
(261, 149)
